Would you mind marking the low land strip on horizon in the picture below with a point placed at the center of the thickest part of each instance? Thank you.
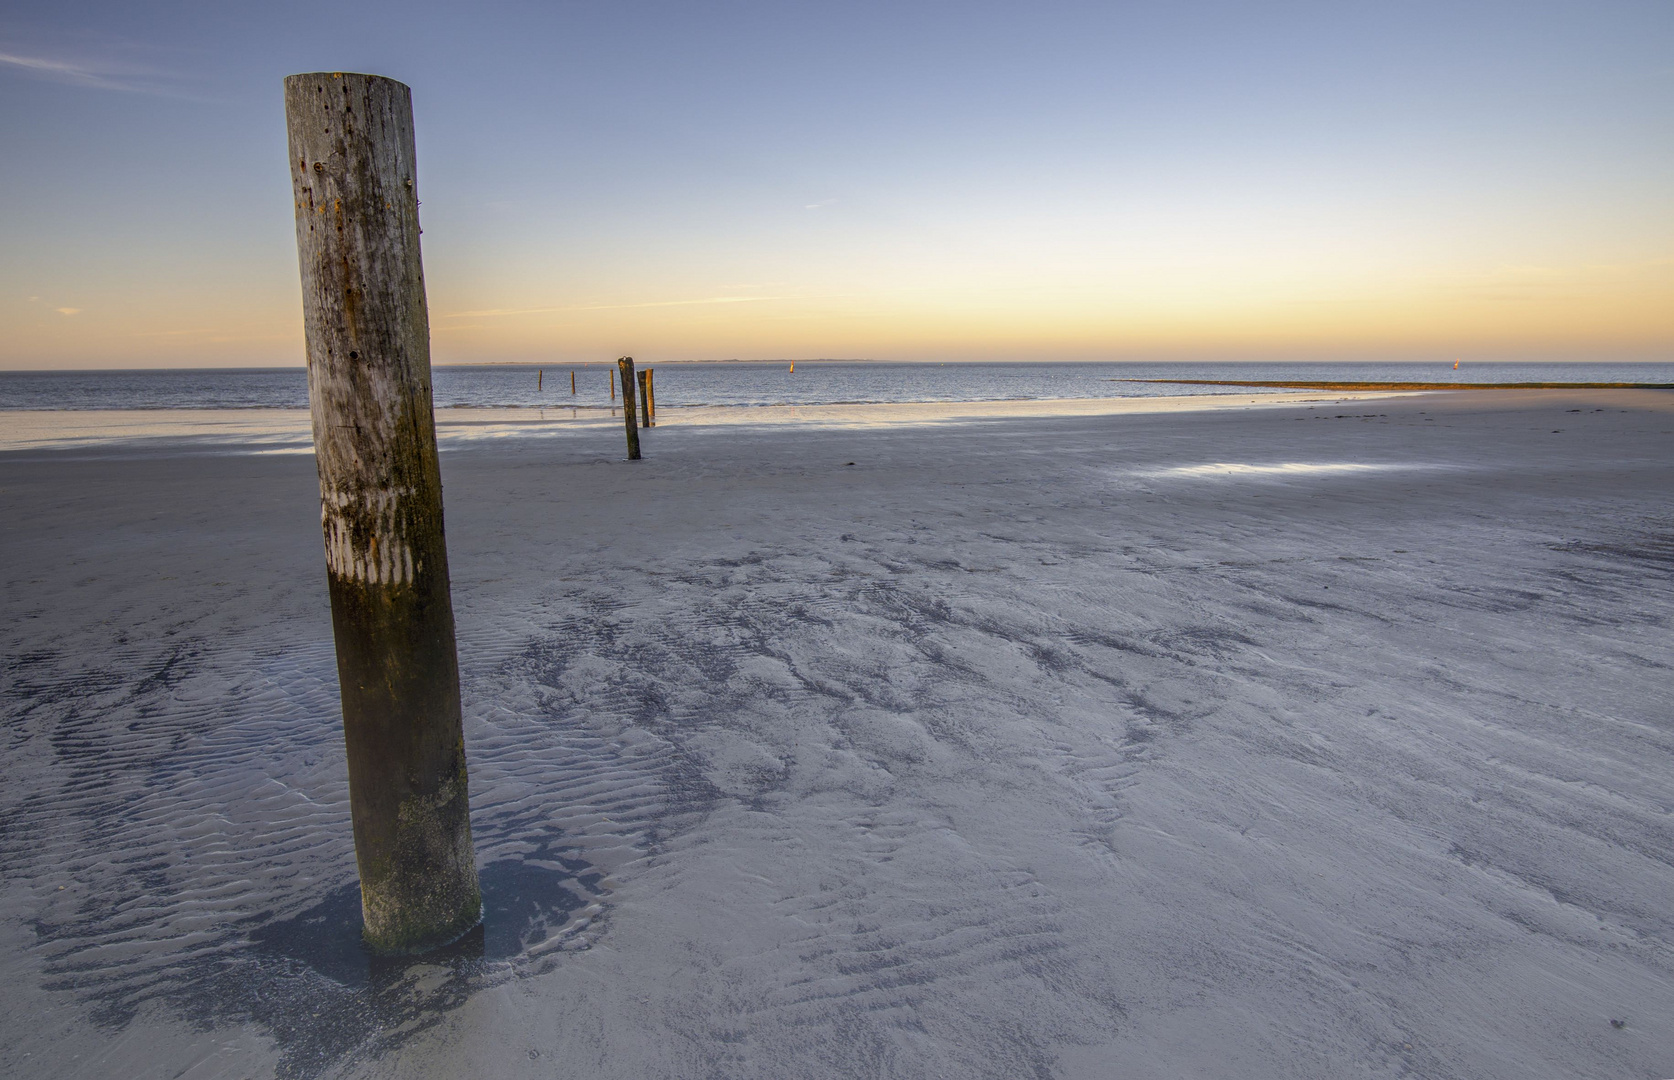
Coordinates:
(1304, 385)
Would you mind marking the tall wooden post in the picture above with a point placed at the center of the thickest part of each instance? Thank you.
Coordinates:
(610, 377)
(644, 401)
(625, 368)
(651, 395)
(368, 344)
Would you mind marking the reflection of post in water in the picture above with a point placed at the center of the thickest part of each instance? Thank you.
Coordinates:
(368, 349)
(625, 368)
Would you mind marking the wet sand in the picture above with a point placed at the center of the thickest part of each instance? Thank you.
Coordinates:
(1292, 741)
(287, 430)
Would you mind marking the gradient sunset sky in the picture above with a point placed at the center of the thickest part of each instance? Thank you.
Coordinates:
(901, 181)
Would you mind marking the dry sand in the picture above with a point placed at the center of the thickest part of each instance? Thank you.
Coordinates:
(1299, 741)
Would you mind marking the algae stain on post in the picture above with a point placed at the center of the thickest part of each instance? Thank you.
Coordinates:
(369, 392)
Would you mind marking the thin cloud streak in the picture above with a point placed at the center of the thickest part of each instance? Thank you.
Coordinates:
(83, 75)
(492, 312)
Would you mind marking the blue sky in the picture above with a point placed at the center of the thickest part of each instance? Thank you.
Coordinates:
(908, 181)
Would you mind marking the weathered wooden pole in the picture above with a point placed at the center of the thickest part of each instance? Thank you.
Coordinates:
(610, 377)
(651, 395)
(540, 373)
(644, 402)
(572, 382)
(368, 346)
(625, 368)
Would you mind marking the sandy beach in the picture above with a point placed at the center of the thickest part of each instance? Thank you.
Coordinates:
(1319, 737)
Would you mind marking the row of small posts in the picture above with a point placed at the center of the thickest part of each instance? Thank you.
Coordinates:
(367, 333)
(540, 380)
(647, 396)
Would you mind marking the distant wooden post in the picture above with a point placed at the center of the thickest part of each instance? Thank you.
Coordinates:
(369, 390)
(625, 368)
(540, 373)
(572, 382)
(610, 377)
(644, 402)
(651, 395)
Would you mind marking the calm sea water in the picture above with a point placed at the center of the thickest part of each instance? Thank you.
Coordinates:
(813, 383)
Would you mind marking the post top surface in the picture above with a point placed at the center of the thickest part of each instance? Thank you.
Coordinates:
(331, 76)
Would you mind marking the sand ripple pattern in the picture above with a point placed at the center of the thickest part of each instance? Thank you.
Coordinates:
(1022, 758)
(182, 841)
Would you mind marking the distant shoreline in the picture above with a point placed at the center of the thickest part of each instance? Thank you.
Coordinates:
(1302, 385)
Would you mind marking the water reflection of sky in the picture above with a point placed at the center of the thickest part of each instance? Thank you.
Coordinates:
(812, 383)
(280, 431)
(1237, 470)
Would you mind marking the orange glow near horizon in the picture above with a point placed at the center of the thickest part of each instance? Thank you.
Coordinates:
(1086, 181)
(1578, 313)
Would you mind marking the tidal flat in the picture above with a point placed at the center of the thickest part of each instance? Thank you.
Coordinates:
(1315, 738)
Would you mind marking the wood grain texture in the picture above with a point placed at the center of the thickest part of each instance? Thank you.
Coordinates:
(625, 368)
(353, 173)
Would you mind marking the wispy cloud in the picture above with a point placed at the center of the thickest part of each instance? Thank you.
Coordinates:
(490, 312)
(127, 79)
(817, 205)
(60, 310)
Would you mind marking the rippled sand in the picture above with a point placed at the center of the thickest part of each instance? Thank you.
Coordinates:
(1308, 740)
